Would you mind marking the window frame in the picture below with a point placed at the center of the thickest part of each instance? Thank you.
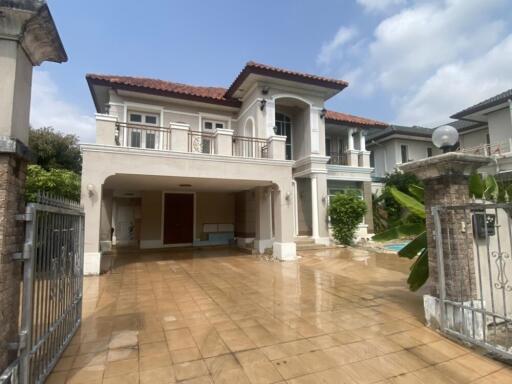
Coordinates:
(143, 135)
(406, 153)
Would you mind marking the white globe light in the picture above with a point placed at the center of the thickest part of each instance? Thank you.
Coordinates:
(445, 136)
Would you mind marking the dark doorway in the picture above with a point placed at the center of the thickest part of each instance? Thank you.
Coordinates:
(178, 218)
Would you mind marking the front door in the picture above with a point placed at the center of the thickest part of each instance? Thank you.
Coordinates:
(178, 218)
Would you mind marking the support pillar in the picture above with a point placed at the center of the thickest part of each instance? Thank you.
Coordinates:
(367, 196)
(445, 179)
(28, 37)
(314, 207)
(319, 208)
(263, 238)
(284, 246)
(13, 167)
(91, 199)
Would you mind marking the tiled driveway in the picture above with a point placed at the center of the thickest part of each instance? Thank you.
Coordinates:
(218, 316)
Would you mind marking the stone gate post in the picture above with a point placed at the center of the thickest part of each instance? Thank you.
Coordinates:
(28, 37)
(445, 180)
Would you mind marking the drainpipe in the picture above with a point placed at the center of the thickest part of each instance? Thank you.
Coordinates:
(510, 112)
(295, 208)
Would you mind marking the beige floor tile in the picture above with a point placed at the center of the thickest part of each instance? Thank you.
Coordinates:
(179, 339)
(122, 354)
(130, 378)
(186, 354)
(121, 367)
(57, 377)
(153, 349)
(190, 369)
(90, 359)
(291, 367)
(91, 374)
(154, 361)
(162, 375)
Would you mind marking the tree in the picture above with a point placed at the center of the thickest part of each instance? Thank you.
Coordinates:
(57, 182)
(55, 150)
(346, 212)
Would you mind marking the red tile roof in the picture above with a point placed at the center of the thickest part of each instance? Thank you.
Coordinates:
(339, 117)
(212, 94)
(263, 69)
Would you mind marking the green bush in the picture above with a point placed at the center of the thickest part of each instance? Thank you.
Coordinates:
(346, 212)
(56, 182)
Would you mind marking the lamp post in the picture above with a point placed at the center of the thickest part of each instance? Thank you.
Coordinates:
(445, 137)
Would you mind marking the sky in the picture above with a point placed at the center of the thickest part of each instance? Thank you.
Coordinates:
(411, 62)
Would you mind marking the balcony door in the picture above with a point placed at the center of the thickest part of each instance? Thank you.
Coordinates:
(178, 218)
(284, 128)
(142, 131)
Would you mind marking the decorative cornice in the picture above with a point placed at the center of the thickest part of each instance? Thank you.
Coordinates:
(31, 23)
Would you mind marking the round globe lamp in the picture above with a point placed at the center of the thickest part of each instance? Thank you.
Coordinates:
(445, 137)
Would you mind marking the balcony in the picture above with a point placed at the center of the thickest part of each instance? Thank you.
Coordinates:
(180, 138)
(496, 149)
(350, 158)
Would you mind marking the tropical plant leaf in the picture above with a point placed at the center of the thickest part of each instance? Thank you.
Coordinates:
(419, 272)
(416, 246)
(409, 202)
(399, 231)
(417, 191)
(476, 186)
(491, 188)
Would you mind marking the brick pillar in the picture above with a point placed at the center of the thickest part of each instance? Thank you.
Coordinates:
(12, 184)
(456, 229)
(446, 184)
(368, 198)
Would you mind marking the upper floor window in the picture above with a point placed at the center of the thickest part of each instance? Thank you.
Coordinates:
(143, 118)
(429, 152)
(209, 125)
(140, 137)
(284, 128)
(404, 152)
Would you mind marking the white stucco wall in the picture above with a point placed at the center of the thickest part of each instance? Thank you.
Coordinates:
(474, 138)
(500, 126)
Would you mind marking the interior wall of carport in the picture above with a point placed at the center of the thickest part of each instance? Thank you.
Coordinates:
(210, 208)
(245, 214)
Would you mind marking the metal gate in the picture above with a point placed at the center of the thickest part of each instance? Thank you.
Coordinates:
(473, 244)
(51, 305)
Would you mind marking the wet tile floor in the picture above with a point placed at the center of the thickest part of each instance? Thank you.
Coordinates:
(219, 316)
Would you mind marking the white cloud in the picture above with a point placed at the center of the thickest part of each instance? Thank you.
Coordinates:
(331, 48)
(429, 59)
(48, 108)
(379, 5)
(410, 45)
(456, 86)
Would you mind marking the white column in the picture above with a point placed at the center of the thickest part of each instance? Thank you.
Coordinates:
(263, 219)
(315, 130)
(314, 206)
(270, 117)
(362, 140)
(350, 139)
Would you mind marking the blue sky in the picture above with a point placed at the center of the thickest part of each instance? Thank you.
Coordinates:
(407, 61)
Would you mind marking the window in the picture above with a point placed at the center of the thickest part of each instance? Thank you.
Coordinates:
(404, 151)
(372, 160)
(208, 125)
(139, 136)
(143, 118)
(284, 128)
(207, 142)
(429, 152)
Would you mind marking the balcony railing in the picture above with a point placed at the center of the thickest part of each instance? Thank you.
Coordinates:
(338, 158)
(201, 142)
(495, 149)
(244, 146)
(142, 136)
(180, 138)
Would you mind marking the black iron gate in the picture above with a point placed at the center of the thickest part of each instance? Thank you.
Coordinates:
(52, 287)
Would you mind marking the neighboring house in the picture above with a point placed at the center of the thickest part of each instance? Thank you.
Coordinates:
(176, 165)
(485, 128)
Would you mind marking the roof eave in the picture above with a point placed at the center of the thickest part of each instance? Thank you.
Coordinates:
(247, 71)
(228, 103)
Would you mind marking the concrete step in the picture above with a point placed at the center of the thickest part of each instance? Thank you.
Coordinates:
(304, 240)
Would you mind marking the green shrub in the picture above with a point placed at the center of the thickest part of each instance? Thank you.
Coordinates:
(346, 212)
(56, 182)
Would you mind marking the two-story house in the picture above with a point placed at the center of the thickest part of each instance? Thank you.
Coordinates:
(181, 165)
